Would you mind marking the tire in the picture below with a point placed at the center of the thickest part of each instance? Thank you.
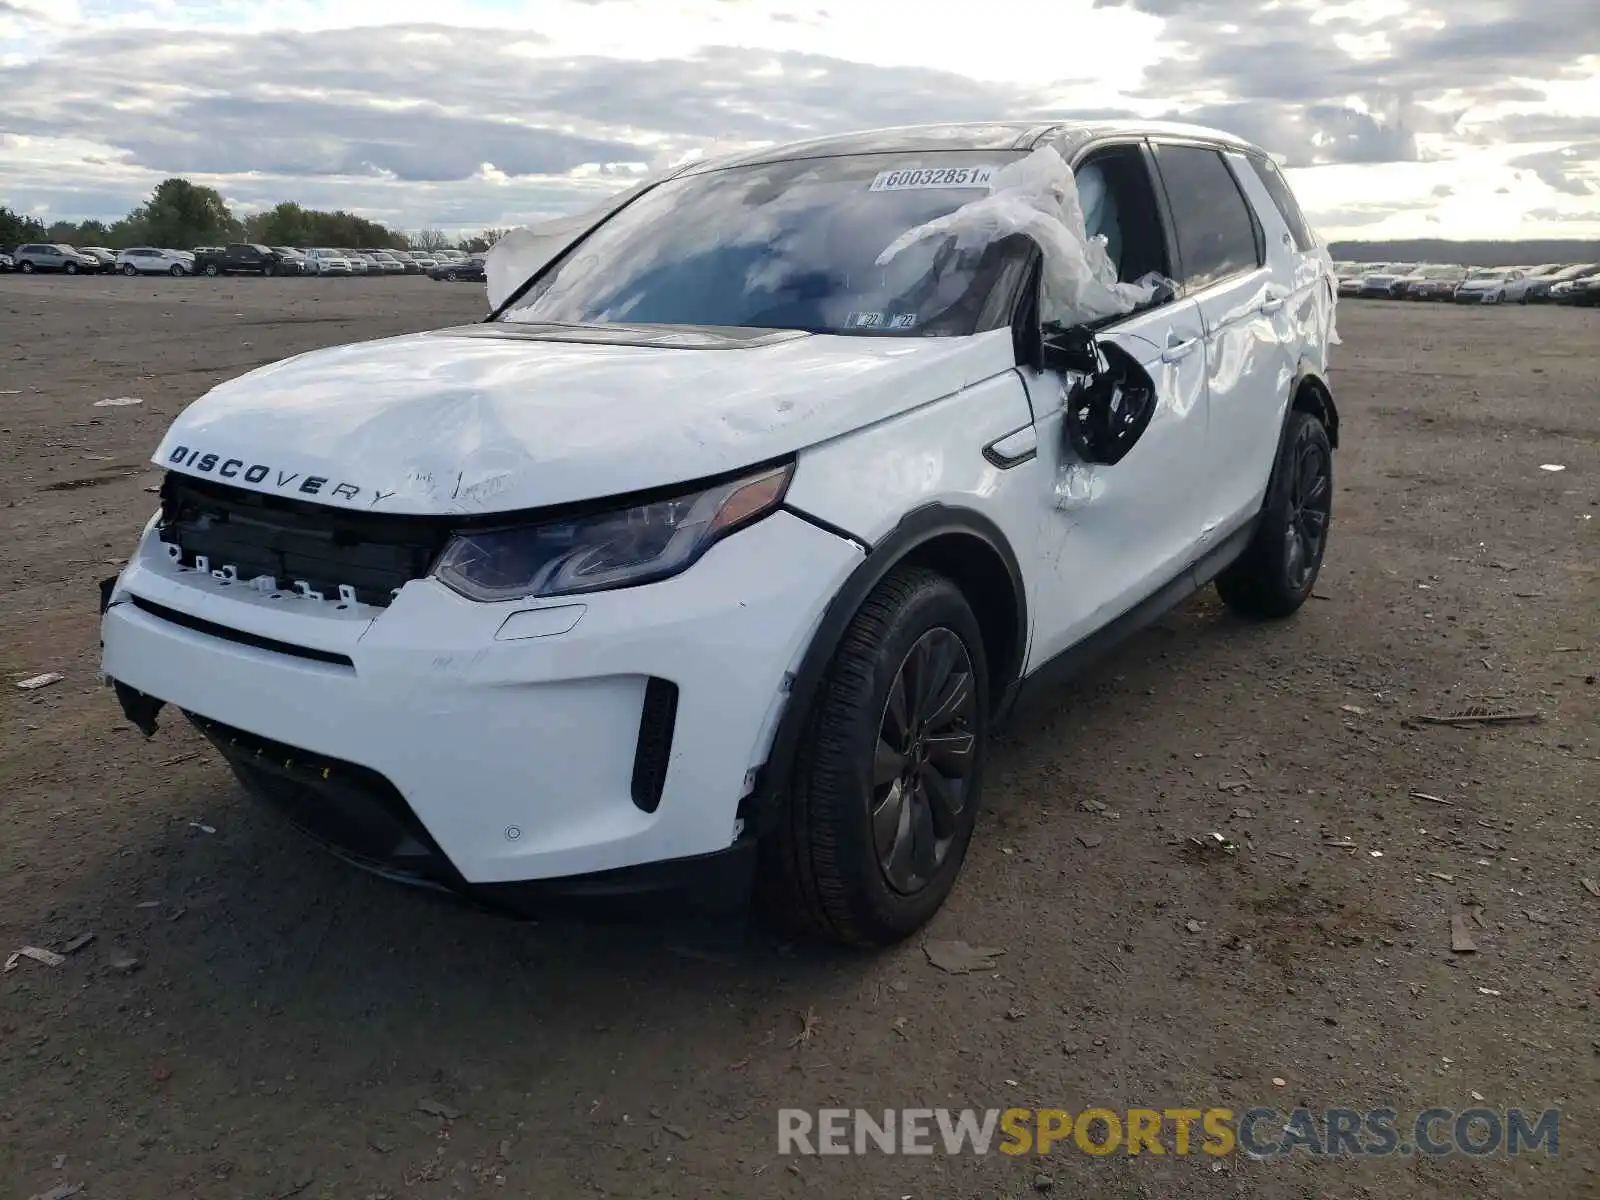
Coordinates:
(130, 270)
(176, 270)
(71, 268)
(1275, 574)
(268, 271)
(830, 871)
(451, 276)
(26, 268)
(212, 270)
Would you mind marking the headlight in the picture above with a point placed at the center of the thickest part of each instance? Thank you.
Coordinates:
(619, 548)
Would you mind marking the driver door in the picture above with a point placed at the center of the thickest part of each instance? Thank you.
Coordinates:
(1109, 536)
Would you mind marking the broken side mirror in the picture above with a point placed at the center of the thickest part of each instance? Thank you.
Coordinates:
(1110, 398)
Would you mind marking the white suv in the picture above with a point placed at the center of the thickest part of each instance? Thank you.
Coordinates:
(713, 556)
(148, 260)
(323, 261)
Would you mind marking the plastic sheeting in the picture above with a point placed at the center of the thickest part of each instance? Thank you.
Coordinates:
(1038, 197)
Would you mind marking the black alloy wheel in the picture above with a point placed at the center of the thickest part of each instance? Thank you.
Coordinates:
(1310, 499)
(923, 760)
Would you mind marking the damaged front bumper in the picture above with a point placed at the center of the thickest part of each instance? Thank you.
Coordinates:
(604, 764)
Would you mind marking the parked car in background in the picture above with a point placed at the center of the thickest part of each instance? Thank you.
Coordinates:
(1582, 290)
(387, 260)
(424, 259)
(321, 260)
(361, 264)
(457, 255)
(148, 260)
(1487, 285)
(7, 264)
(1432, 282)
(241, 258)
(107, 258)
(402, 586)
(54, 257)
(290, 260)
(451, 270)
(1542, 290)
(1378, 280)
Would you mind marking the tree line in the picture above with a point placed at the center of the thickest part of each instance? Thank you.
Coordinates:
(181, 215)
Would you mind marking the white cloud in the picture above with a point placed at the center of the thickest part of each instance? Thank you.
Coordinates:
(512, 110)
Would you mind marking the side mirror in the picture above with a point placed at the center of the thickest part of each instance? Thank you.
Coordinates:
(1109, 403)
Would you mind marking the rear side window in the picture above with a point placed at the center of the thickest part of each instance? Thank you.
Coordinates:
(1288, 208)
(1216, 232)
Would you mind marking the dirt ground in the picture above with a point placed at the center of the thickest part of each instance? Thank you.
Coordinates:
(256, 1020)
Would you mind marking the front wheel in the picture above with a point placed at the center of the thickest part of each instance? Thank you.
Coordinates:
(26, 268)
(71, 268)
(1276, 572)
(130, 270)
(884, 791)
(213, 270)
(175, 270)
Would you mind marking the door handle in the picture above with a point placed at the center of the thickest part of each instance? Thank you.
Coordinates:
(1272, 304)
(1178, 349)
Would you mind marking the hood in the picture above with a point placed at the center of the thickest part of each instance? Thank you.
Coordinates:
(1481, 285)
(498, 417)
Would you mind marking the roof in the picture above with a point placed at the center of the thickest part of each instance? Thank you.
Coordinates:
(991, 136)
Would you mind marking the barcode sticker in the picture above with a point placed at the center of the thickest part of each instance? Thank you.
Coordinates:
(905, 179)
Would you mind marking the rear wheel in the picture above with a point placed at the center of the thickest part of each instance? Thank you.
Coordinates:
(451, 276)
(885, 787)
(213, 270)
(130, 270)
(175, 270)
(1277, 571)
(26, 268)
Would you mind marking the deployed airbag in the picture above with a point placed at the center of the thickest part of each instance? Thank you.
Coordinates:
(1038, 197)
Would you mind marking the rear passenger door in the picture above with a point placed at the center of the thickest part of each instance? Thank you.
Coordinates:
(1223, 269)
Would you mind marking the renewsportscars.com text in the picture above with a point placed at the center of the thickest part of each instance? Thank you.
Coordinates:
(1262, 1133)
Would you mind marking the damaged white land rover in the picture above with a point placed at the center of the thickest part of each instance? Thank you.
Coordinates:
(707, 563)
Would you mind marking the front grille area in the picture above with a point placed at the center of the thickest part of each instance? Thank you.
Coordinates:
(293, 541)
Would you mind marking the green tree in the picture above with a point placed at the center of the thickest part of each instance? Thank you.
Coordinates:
(181, 215)
(16, 229)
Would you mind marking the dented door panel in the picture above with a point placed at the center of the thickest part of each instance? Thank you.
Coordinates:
(1248, 371)
(1107, 536)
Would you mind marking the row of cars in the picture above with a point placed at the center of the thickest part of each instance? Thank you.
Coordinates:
(247, 258)
(1553, 283)
(240, 258)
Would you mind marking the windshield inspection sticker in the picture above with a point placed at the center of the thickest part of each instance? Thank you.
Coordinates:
(878, 320)
(913, 178)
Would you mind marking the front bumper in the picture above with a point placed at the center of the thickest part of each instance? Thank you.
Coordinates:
(433, 742)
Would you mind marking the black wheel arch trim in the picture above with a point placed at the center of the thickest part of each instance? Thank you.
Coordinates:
(917, 528)
(1307, 375)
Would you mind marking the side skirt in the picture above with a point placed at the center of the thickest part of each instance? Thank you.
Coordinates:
(1051, 675)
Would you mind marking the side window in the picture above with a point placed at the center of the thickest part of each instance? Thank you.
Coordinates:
(1216, 230)
(1288, 208)
(1119, 204)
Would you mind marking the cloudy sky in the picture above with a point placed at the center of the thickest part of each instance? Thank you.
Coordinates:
(1400, 118)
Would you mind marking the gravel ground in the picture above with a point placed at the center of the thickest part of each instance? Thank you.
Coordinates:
(256, 1020)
